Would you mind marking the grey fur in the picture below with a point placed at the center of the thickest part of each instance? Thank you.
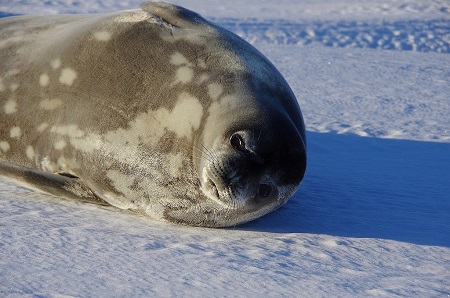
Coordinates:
(137, 109)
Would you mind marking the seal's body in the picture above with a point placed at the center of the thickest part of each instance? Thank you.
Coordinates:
(155, 110)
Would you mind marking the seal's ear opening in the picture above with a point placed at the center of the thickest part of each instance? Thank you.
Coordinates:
(174, 15)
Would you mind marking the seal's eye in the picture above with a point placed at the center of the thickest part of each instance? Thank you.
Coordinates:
(265, 190)
(237, 142)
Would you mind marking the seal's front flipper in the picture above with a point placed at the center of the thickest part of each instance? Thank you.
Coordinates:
(62, 185)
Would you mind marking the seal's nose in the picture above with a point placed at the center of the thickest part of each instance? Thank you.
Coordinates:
(264, 190)
(265, 193)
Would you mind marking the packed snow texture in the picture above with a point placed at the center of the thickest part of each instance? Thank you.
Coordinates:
(372, 217)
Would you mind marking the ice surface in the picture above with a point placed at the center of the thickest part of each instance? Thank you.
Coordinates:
(383, 94)
(372, 217)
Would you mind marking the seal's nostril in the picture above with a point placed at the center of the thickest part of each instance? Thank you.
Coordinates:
(265, 190)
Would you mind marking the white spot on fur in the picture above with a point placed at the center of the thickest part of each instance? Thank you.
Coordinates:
(72, 131)
(88, 144)
(4, 146)
(78, 138)
(155, 211)
(50, 104)
(30, 152)
(178, 59)
(121, 182)
(203, 78)
(68, 75)
(42, 127)
(55, 64)
(15, 132)
(124, 183)
(48, 165)
(102, 36)
(184, 75)
(10, 107)
(215, 90)
(226, 103)
(59, 145)
(44, 79)
(118, 201)
(218, 109)
(149, 127)
(185, 116)
(13, 87)
(139, 130)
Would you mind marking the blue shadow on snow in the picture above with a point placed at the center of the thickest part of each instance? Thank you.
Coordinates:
(6, 14)
(369, 188)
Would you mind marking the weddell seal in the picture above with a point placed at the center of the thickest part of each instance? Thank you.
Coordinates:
(154, 110)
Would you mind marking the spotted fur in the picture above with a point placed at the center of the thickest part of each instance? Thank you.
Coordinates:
(136, 109)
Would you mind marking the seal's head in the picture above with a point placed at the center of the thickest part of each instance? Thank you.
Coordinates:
(251, 165)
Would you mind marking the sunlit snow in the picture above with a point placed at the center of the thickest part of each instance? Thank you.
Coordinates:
(372, 217)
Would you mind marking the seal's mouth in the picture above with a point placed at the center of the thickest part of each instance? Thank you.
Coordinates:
(263, 194)
(219, 192)
(235, 199)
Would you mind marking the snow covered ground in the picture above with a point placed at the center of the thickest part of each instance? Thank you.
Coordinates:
(372, 217)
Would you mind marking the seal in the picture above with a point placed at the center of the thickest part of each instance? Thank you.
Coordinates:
(155, 110)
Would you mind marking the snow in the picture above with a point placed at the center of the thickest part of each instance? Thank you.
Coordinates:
(371, 218)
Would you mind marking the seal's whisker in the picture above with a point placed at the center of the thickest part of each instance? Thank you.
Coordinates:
(208, 154)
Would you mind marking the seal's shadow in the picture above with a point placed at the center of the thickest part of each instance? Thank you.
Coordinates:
(369, 188)
(6, 14)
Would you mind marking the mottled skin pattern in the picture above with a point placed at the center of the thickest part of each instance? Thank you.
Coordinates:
(155, 110)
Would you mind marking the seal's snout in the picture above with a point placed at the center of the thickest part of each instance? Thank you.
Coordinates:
(241, 178)
(220, 179)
